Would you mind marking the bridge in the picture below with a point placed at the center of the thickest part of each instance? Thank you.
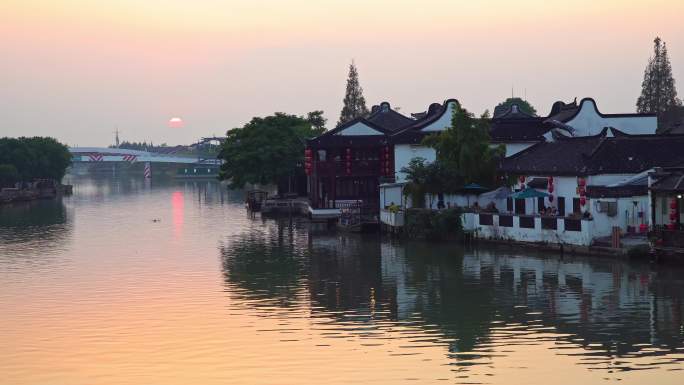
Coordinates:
(104, 154)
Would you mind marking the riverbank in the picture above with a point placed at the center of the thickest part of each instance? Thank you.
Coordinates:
(12, 195)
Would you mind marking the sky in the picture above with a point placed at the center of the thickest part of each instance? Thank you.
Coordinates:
(78, 70)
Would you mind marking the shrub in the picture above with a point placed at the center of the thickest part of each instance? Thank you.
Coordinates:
(433, 224)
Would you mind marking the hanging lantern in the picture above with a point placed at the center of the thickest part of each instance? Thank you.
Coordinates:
(673, 204)
(581, 182)
(550, 198)
(521, 178)
(550, 188)
(583, 201)
(673, 217)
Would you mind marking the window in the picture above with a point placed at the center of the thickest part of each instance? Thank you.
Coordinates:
(321, 155)
(520, 206)
(576, 207)
(561, 206)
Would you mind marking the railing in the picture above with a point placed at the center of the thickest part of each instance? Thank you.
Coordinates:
(530, 228)
(358, 167)
(671, 238)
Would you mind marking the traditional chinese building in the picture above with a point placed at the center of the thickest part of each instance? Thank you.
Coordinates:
(345, 165)
(518, 130)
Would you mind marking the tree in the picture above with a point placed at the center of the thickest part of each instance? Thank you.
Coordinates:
(524, 105)
(27, 159)
(658, 92)
(8, 175)
(354, 102)
(429, 179)
(464, 148)
(316, 119)
(265, 150)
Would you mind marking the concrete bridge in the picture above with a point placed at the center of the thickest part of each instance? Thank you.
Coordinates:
(104, 154)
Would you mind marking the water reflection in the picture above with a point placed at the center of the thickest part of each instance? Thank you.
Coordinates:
(478, 304)
(26, 227)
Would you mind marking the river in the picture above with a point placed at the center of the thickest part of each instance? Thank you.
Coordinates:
(128, 282)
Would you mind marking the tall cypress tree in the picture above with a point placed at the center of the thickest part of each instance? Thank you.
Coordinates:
(354, 102)
(658, 92)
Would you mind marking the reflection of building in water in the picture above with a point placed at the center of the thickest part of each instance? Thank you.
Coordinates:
(608, 302)
(467, 300)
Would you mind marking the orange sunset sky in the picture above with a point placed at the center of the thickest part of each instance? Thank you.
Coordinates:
(78, 69)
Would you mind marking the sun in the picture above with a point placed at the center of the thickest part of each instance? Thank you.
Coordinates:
(176, 122)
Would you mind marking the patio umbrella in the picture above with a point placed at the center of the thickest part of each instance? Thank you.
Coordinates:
(529, 193)
(474, 188)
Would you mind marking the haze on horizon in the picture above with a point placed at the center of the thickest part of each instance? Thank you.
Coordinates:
(78, 69)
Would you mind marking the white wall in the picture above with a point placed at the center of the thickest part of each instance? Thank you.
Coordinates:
(589, 122)
(358, 129)
(391, 193)
(471, 221)
(403, 153)
(443, 122)
(603, 223)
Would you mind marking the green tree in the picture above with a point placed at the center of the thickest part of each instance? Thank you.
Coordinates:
(8, 175)
(354, 102)
(265, 149)
(524, 105)
(34, 158)
(316, 119)
(429, 179)
(658, 92)
(464, 148)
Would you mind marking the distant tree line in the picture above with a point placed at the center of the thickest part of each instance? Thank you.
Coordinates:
(140, 146)
(27, 159)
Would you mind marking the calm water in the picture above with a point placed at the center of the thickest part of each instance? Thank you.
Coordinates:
(94, 291)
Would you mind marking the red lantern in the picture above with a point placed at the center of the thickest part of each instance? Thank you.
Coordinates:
(673, 217)
(581, 182)
(550, 179)
(673, 204)
(550, 188)
(583, 201)
(521, 178)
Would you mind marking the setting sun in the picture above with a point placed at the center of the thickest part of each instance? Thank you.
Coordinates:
(176, 122)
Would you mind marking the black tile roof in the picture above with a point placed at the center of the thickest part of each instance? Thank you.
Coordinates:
(599, 154)
(382, 118)
(518, 129)
(387, 118)
(413, 133)
(671, 182)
